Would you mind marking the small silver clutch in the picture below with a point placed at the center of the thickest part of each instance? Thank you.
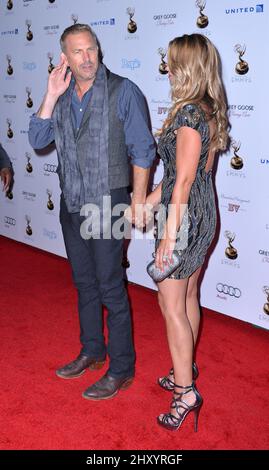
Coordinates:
(168, 268)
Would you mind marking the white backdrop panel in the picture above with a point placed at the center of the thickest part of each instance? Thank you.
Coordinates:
(231, 286)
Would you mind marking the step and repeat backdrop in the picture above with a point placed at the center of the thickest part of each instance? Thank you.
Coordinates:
(134, 35)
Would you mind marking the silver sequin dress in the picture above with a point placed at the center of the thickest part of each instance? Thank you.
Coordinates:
(201, 215)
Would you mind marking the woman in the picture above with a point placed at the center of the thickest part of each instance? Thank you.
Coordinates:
(195, 129)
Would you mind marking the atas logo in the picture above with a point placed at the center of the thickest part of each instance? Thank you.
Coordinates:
(74, 18)
(228, 290)
(9, 4)
(28, 230)
(130, 64)
(29, 167)
(29, 101)
(266, 305)
(9, 66)
(50, 204)
(50, 168)
(257, 9)
(51, 4)
(29, 34)
(132, 26)
(51, 66)
(10, 132)
(236, 161)
(241, 67)
(9, 221)
(163, 65)
(231, 251)
(202, 20)
(9, 194)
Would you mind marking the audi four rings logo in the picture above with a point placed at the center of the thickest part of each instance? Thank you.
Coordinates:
(228, 290)
(50, 168)
(10, 221)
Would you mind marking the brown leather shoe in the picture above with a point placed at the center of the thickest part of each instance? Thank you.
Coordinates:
(107, 387)
(78, 366)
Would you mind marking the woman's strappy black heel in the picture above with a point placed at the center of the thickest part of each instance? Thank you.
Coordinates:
(173, 422)
(167, 384)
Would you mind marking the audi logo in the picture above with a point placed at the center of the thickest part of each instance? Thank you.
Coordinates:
(50, 168)
(9, 220)
(228, 290)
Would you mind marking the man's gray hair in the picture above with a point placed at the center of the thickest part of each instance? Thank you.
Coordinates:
(81, 28)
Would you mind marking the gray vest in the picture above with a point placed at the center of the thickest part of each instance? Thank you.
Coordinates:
(118, 166)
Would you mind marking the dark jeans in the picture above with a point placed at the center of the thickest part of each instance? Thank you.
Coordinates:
(98, 276)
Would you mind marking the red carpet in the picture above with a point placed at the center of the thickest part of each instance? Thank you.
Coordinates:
(39, 332)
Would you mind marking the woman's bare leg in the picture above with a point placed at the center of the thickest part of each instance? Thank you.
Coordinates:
(192, 304)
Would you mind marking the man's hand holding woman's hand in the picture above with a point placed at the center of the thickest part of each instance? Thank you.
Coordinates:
(139, 214)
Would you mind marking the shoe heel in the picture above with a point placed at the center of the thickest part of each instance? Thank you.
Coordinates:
(127, 383)
(196, 416)
(96, 365)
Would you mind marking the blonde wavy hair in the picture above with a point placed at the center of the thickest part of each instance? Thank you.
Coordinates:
(194, 64)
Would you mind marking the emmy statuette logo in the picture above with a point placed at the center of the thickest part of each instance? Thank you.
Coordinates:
(28, 167)
(9, 66)
(29, 34)
(132, 26)
(9, 194)
(28, 229)
(50, 204)
(29, 101)
(266, 305)
(51, 1)
(202, 20)
(242, 66)
(236, 161)
(9, 130)
(9, 4)
(163, 65)
(230, 251)
(74, 18)
(51, 65)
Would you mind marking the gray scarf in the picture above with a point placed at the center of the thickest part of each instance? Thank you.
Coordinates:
(84, 176)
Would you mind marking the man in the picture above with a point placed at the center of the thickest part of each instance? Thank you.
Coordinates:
(97, 119)
(5, 169)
